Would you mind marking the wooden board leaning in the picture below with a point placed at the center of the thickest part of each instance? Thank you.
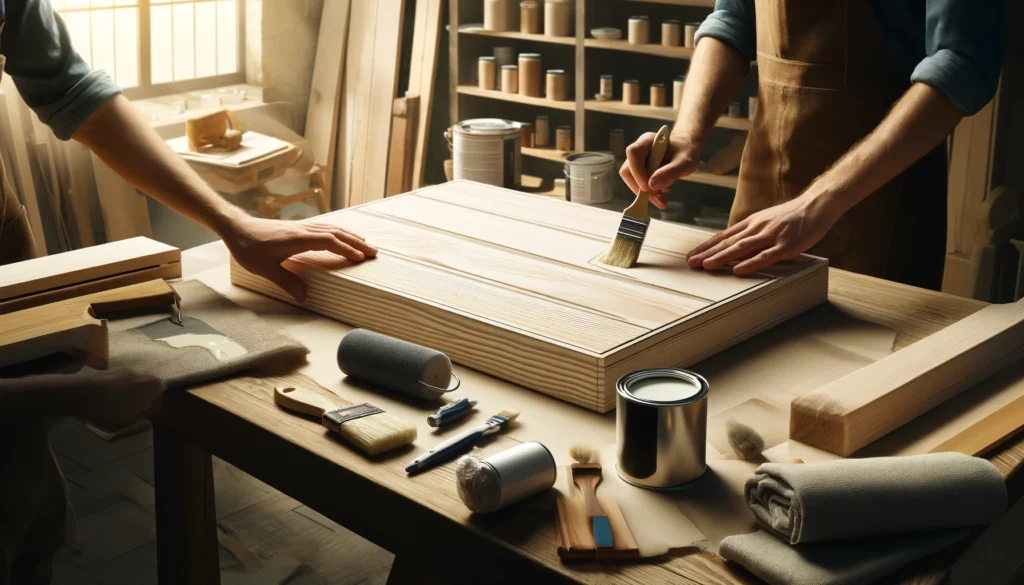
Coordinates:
(508, 283)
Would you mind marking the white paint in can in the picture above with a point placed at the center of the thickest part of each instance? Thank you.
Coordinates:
(487, 150)
(589, 177)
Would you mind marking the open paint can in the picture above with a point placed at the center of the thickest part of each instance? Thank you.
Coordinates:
(487, 150)
(589, 177)
(661, 428)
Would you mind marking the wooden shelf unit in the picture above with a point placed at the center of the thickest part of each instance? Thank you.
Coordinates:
(582, 105)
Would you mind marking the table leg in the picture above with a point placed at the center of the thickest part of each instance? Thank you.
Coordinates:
(186, 521)
(405, 572)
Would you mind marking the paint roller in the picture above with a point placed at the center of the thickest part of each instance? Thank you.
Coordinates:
(397, 365)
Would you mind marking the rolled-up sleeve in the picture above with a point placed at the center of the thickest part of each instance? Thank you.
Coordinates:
(732, 22)
(964, 44)
(51, 77)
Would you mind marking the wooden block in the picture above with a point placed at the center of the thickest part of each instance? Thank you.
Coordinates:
(63, 276)
(507, 283)
(75, 326)
(575, 539)
(866, 405)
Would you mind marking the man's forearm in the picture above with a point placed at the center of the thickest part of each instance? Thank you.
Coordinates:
(716, 71)
(919, 122)
(35, 397)
(129, 146)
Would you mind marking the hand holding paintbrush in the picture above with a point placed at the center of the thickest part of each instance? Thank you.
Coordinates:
(625, 248)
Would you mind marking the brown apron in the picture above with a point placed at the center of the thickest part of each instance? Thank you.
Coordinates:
(33, 505)
(825, 82)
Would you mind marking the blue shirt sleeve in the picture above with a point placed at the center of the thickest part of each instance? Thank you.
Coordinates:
(51, 77)
(732, 22)
(964, 45)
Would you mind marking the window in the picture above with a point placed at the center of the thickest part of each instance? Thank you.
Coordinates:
(152, 47)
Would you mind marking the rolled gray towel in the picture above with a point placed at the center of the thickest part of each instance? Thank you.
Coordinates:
(853, 498)
(845, 562)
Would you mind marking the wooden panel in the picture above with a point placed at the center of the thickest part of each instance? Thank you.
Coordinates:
(525, 302)
(322, 115)
(125, 211)
(423, 76)
(403, 138)
(11, 109)
(863, 406)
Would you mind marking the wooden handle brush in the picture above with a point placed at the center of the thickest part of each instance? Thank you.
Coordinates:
(364, 426)
(625, 248)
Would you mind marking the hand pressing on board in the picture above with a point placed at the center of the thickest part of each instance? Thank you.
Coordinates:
(260, 245)
(681, 159)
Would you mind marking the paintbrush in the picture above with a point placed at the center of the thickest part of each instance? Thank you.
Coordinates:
(460, 443)
(625, 248)
(364, 426)
(586, 474)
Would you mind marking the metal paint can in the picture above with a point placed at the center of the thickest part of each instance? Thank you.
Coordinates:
(524, 470)
(661, 428)
(488, 150)
(589, 177)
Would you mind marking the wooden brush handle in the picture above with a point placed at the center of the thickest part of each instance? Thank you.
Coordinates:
(304, 401)
(588, 485)
(654, 159)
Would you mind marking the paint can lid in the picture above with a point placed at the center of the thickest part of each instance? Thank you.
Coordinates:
(589, 158)
(488, 127)
(662, 386)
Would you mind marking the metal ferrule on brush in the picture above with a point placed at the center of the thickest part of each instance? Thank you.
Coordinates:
(632, 228)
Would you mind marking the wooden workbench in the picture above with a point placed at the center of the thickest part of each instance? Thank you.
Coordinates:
(421, 519)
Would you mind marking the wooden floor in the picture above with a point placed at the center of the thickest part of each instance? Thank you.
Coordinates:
(272, 538)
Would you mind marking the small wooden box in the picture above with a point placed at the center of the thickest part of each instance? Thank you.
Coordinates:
(508, 283)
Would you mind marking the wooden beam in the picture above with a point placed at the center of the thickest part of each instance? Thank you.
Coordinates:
(864, 406)
(403, 142)
(426, 41)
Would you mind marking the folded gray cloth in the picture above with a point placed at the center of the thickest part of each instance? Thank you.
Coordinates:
(842, 562)
(188, 366)
(883, 496)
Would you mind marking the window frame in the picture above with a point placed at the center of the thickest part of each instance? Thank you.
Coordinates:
(146, 89)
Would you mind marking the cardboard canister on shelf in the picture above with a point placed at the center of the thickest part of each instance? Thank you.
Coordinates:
(677, 91)
(556, 17)
(529, 74)
(510, 79)
(631, 92)
(542, 132)
(589, 177)
(488, 150)
(487, 73)
(527, 134)
(496, 15)
(639, 30)
(671, 33)
(504, 56)
(658, 95)
(563, 138)
(607, 86)
(556, 86)
(690, 33)
(529, 17)
(617, 143)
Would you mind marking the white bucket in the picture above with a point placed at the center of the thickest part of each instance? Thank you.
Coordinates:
(487, 150)
(589, 177)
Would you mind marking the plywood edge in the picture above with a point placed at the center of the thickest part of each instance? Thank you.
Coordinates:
(566, 374)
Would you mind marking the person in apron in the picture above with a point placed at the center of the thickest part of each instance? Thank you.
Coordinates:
(846, 155)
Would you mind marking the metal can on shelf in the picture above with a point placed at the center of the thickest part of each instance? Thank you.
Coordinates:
(589, 177)
(488, 150)
(563, 138)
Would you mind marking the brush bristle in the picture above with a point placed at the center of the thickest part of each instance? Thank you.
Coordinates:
(378, 433)
(622, 253)
(582, 453)
(744, 440)
(511, 415)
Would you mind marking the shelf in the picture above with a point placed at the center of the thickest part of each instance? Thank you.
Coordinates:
(547, 153)
(648, 49)
(699, 3)
(515, 97)
(476, 30)
(668, 114)
(727, 181)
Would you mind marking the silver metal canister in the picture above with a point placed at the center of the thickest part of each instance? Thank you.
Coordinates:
(661, 428)
(524, 470)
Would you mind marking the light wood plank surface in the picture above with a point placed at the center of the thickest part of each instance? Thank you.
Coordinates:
(322, 114)
(422, 78)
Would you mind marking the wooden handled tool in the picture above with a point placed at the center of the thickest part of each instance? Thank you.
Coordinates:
(76, 326)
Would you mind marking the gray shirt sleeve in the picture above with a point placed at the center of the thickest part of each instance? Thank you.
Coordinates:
(964, 45)
(732, 22)
(52, 78)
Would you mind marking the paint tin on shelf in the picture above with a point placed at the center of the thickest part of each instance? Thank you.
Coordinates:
(563, 138)
(487, 150)
(661, 428)
(607, 86)
(589, 177)
(487, 73)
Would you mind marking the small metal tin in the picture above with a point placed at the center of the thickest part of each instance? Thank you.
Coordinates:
(661, 428)
(524, 470)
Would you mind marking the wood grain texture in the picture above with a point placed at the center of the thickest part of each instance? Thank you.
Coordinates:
(426, 43)
(400, 155)
(861, 407)
(11, 115)
(522, 299)
(980, 438)
(322, 114)
(125, 211)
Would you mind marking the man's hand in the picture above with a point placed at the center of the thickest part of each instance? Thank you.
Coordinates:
(681, 159)
(114, 399)
(768, 236)
(260, 245)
